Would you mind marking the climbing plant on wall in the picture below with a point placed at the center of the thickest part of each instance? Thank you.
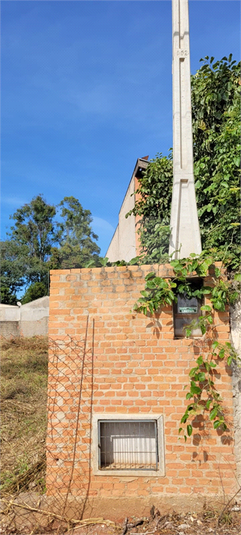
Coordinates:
(202, 394)
(216, 145)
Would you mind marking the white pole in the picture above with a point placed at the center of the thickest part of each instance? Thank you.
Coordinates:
(185, 233)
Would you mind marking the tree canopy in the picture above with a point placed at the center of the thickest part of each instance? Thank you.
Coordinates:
(44, 237)
(216, 147)
(75, 236)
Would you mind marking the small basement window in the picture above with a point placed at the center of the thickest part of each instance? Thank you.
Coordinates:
(129, 445)
(186, 310)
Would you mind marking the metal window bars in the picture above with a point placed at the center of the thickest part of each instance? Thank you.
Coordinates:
(128, 444)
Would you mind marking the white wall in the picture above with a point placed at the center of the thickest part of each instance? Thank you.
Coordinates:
(123, 243)
(26, 320)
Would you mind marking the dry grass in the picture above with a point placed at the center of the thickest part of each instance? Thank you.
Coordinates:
(23, 402)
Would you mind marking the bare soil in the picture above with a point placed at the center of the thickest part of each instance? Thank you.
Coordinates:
(22, 521)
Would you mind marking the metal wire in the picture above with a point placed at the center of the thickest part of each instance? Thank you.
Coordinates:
(128, 445)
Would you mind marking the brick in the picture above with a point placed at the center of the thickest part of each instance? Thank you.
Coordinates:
(135, 372)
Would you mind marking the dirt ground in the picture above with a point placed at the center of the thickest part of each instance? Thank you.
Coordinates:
(171, 524)
(207, 522)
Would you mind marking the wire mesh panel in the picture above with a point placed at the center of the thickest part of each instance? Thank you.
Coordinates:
(128, 445)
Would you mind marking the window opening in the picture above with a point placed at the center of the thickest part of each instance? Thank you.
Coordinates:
(127, 445)
(186, 310)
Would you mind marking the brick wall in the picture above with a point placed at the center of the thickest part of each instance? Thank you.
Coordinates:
(139, 368)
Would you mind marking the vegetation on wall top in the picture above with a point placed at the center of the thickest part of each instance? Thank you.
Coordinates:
(216, 147)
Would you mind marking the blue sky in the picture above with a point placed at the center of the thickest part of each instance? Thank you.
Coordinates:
(86, 90)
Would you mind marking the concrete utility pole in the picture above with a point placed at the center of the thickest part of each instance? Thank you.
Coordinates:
(185, 233)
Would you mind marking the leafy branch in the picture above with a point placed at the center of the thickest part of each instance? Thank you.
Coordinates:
(160, 292)
(202, 391)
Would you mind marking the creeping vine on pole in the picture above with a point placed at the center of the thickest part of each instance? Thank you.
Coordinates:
(203, 395)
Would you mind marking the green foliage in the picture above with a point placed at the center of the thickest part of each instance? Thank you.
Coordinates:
(12, 271)
(37, 243)
(34, 291)
(160, 292)
(75, 235)
(203, 392)
(153, 205)
(216, 150)
(216, 137)
(34, 228)
(32, 237)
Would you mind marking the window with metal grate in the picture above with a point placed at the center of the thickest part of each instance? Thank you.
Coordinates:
(125, 444)
(128, 445)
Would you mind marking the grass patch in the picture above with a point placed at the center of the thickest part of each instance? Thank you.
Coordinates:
(24, 367)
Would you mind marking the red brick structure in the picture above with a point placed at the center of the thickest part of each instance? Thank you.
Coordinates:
(140, 371)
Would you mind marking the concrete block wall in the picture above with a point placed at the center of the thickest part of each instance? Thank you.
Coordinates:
(26, 320)
(139, 369)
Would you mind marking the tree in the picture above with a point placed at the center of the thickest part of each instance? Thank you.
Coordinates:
(12, 271)
(34, 234)
(75, 236)
(34, 291)
(216, 137)
(38, 243)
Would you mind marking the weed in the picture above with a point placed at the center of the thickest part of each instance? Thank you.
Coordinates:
(24, 419)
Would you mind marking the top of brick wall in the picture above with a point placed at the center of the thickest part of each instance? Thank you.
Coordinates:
(163, 270)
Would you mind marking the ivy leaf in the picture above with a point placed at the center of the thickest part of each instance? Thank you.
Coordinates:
(203, 329)
(189, 430)
(195, 389)
(217, 424)
(201, 377)
(213, 413)
(188, 332)
(150, 275)
(208, 403)
(150, 284)
(184, 418)
(193, 371)
(206, 308)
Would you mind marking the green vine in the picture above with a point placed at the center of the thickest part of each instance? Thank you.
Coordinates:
(202, 390)
(160, 292)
